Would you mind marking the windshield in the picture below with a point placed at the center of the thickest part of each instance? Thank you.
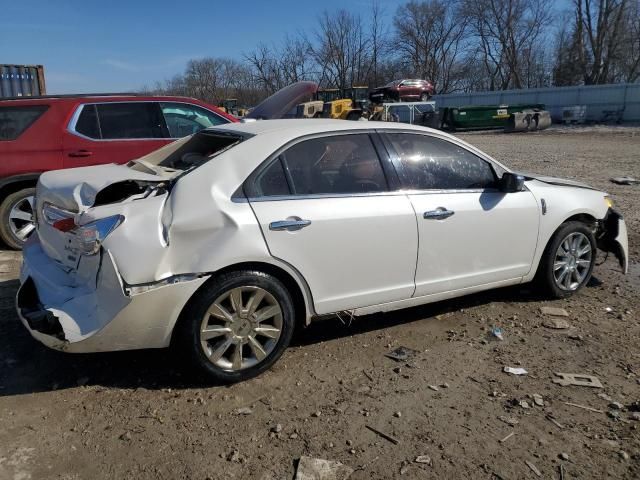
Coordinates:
(188, 152)
(392, 84)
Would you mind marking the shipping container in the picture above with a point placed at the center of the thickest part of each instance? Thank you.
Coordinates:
(21, 81)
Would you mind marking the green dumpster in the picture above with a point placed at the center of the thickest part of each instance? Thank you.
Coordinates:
(482, 116)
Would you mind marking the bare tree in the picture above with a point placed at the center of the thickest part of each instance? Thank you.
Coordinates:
(277, 66)
(429, 35)
(341, 50)
(599, 27)
(508, 34)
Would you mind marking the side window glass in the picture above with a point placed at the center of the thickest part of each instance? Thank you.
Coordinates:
(15, 120)
(433, 163)
(272, 181)
(140, 120)
(185, 119)
(87, 123)
(335, 164)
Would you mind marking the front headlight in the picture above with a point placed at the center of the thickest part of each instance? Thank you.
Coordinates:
(609, 201)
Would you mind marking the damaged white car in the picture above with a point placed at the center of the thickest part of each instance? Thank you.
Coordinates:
(218, 244)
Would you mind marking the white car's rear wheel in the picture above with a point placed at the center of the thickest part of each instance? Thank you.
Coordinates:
(241, 328)
(237, 327)
(567, 262)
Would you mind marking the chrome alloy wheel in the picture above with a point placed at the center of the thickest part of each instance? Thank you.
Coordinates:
(21, 218)
(241, 328)
(572, 261)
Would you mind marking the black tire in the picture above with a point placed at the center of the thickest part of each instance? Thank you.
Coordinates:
(7, 234)
(187, 338)
(424, 97)
(545, 277)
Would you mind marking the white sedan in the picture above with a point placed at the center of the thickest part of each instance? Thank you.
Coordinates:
(219, 243)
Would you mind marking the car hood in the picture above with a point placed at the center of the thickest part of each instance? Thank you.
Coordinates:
(281, 102)
(555, 180)
(76, 189)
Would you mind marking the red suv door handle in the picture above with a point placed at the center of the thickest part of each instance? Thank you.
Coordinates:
(80, 153)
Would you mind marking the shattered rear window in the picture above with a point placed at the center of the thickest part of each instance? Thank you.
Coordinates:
(190, 152)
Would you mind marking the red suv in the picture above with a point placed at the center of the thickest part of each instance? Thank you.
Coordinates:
(407, 90)
(47, 133)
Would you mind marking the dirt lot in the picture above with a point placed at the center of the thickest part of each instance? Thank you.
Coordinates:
(135, 415)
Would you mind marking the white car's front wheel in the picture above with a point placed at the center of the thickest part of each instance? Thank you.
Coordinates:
(238, 327)
(568, 260)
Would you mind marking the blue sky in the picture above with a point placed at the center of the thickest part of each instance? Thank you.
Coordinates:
(114, 45)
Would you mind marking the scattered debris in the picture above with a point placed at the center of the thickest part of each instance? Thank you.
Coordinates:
(538, 400)
(508, 420)
(514, 371)
(524, 404)
(555, 422)
(426, 459)
(401, 354)
(624, 180)
(507, 437)
(616, 406)
(554, 311)
(244, 411)
(234, 456)
(533, 468)
(556, 324)
(277, 428)
(634, 406)
(319, 469)
(635, 416)
(386, 436)
(444, 385)
(624, 455)
(608, 309)
(496, 332)
(367, 375)
(397, 414)
(577, 379)
(126, 436)
(316, 414)
(561, 469)
(563, 456)
(583, 407)
(434, 388)
(605, 397)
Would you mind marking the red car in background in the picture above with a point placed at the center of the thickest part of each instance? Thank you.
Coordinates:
(406, 90)
(52, 132)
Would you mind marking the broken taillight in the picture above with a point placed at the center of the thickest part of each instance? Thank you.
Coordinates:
(91, 235)
(65, 224)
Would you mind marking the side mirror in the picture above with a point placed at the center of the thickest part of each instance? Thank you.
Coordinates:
(511, 182)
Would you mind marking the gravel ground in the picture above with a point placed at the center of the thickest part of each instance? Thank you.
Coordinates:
(137, 415)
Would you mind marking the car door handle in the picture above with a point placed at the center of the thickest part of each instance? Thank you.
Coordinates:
(289, 224)
(439, 213)
(80, 153)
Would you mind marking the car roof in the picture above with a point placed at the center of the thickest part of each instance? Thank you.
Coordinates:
(96, 97)
(299, 127)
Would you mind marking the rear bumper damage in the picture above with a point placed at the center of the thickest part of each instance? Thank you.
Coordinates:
(612, 237)
(67, 313)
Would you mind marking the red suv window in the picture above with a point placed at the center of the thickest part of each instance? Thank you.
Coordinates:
(15, 120)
